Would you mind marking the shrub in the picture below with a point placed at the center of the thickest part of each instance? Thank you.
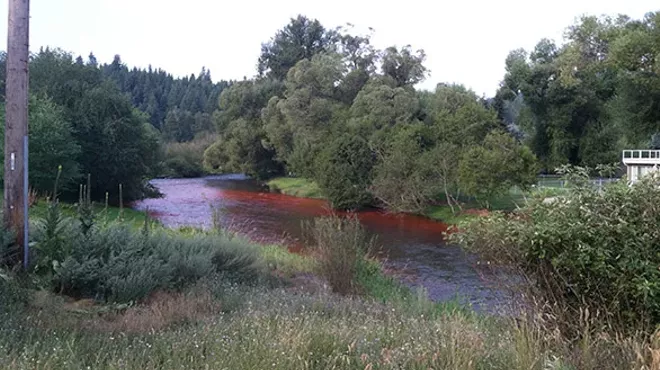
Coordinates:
(51, 233)
(186, 159)
(118, 264)
(344, 172)
(343, 245)
(587, 249)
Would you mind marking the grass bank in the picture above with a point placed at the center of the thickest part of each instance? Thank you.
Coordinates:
(215, 300)
(297, 187)
(304, 188)
(217, 324)
(104, 214)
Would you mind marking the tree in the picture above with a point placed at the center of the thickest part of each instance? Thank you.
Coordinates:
(457, 115)
(118, 145)
(298, 122)
(400, 181)
(301, 39)
(404, 66)
(495, 166)
(381, 105)
(240, 149)
(51, 146)
(344, 172)
(242, 145)
(179, 125)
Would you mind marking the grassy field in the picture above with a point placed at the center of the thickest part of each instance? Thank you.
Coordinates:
(221, 325)
(109, 214)
(297, 187)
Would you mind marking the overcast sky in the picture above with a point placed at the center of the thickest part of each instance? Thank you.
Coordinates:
(465, 41)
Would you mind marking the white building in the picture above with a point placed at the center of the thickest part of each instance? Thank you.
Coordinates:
(640, 162)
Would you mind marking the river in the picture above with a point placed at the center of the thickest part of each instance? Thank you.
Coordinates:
(411, 246)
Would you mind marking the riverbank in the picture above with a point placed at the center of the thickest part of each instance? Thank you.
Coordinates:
(289, 321)
(261, 307)
(304, 188)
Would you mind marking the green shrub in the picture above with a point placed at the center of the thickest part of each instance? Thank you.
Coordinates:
(186, 159)
(344, 172)
(118, 264)
(587, 249)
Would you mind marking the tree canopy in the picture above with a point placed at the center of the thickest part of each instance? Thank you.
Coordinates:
(328, 106)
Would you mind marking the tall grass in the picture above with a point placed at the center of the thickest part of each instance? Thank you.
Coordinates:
(231, 326)
(342, 245)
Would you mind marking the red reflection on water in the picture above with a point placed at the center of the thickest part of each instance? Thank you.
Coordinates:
(273, 217)
(413, 245)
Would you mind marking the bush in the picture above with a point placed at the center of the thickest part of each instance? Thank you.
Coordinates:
(344, 172)
(186, 159)
(343, 245)
(587, 249)
(118, 264)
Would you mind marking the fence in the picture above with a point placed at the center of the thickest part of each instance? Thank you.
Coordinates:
(550, 181)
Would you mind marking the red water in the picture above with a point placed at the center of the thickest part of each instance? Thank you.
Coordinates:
(412, 244)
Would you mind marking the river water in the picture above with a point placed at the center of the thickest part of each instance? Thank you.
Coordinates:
(411, 246)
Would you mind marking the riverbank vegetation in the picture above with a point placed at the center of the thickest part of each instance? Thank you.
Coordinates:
(346, 115)
(109, 295)
(587, 254)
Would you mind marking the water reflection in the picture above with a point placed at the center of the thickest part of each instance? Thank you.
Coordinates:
(412, 246)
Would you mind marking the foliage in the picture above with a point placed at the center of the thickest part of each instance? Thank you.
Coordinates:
(403, 180)
(301, 39)
(51, 145)
(119, 264)
(157, 93)
(404, 67)
(186, 159)
(53, 244)
(117, 145)
(7, 247)
(344, 172)
(495, 166)
(586, 249)
(581, 98)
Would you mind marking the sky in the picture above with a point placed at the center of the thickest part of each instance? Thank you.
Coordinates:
(465, 41)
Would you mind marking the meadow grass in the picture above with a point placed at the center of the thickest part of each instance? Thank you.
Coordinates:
(231, 326)
(297, 187)
(103, 214)
(445, 214)
(279, 259)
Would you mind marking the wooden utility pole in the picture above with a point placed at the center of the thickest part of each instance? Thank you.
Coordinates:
(16, 124)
